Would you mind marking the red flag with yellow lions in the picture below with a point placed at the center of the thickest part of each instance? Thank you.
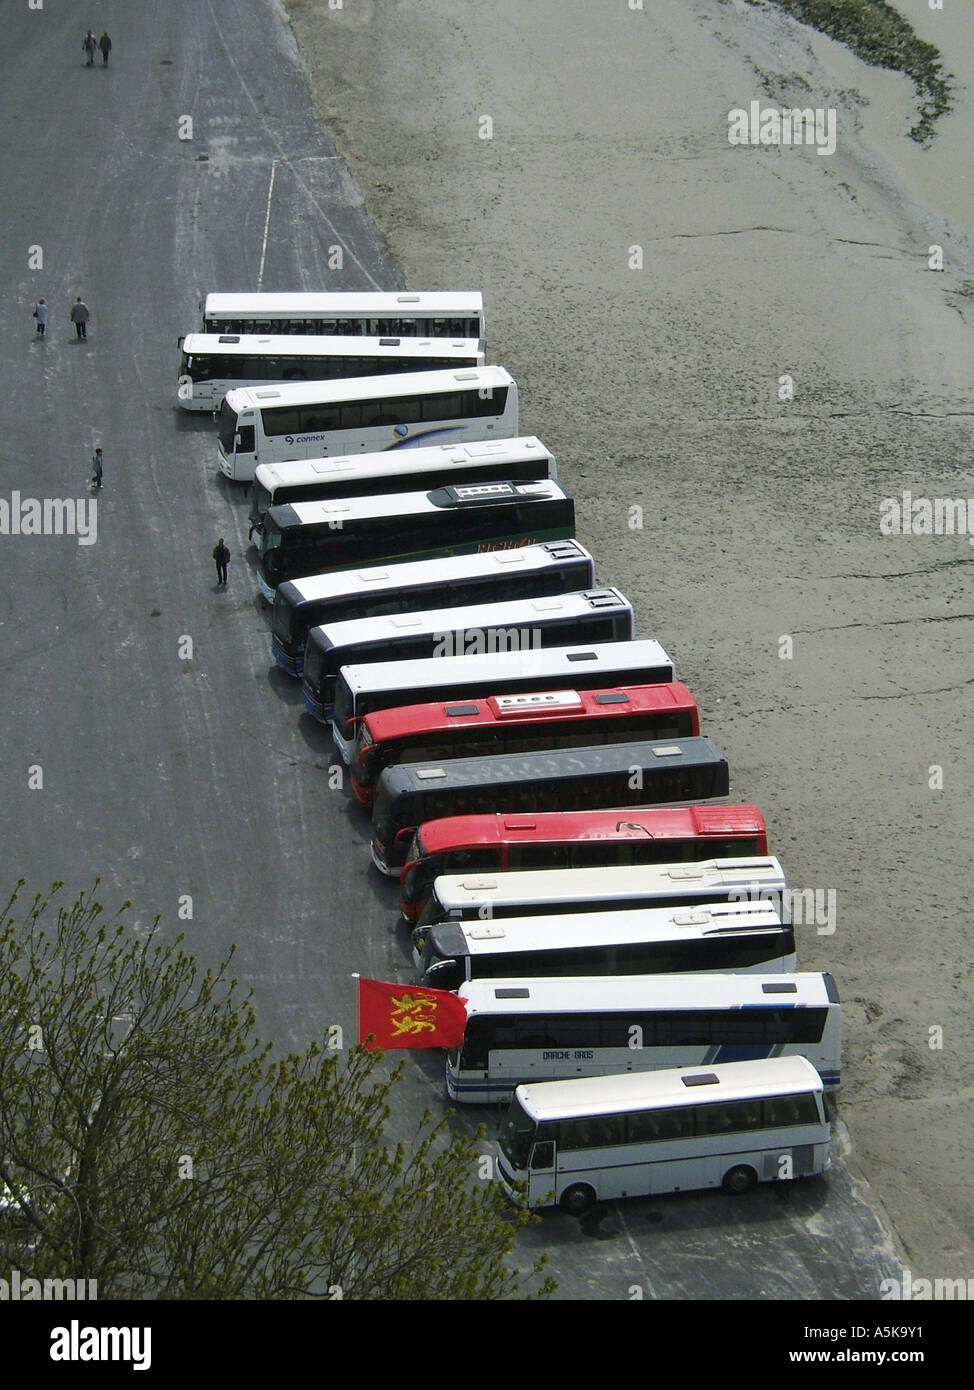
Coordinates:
(409, 1016)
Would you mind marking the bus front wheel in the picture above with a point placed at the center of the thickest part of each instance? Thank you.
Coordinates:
(739, 1180)
(577, 1199)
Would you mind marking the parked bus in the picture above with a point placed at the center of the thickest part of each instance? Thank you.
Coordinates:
(363, 689)
(573, 840)
(512, 631)
(478, 896)
(344, 533)
(638, 1135)
(399, 313)
(560, 779)
(521, 1031)
(214, 363)
(530, 571)
(516, 724)
(699, 937)
(523, 460)
(363, 414)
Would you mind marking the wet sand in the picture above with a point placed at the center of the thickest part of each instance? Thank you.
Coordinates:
(654, 375)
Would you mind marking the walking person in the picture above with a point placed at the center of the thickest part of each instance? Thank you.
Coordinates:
(80, 314)
(88, 45)
(105, 44)
(221, 554)
(97, 460)
(40, 314)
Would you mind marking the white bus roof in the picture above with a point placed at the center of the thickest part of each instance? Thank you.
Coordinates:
(365, 388)
(507, 613)
(639, 1090)
(295, 472)
(342, 509)
(645, 993)
(752, 874)
(328, 345)
(577, 929)
(449, 567)
(405, 302)
(561, 664)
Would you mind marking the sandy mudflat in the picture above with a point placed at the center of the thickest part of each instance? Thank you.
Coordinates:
(657, 388)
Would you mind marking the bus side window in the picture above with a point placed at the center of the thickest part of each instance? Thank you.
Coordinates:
(645, 1128)
(408, 410)
(674, 1124)
(784, 1111)
(442, 407)
(460, 860)
(542, 856)
(347, 417)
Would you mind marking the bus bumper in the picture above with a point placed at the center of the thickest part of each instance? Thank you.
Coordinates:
(507, 1179)
(343, 745)
(313, 707)
(381, 864)
(293, 665)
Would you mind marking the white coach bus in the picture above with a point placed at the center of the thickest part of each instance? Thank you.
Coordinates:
(578, 1142)
(365, 414)
(396, 313)
(525, 1030)
(463, 897)
(214, 363)
(710, 937)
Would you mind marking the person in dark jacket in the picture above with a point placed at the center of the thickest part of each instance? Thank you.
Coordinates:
(97, 461)
(221, 554)
(80, 314)
(105, 44)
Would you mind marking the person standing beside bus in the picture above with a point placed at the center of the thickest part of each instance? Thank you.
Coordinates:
(221, 555)
(105, 44)
(40, 314)
(88, 46)
(80, 314)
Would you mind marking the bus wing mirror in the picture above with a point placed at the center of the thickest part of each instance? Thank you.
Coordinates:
(543, 1155)
(445, 974)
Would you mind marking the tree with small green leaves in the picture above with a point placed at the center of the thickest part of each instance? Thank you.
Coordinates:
(149, 1141)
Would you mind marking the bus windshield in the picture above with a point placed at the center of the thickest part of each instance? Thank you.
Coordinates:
(517, 1134)
(284, 618)
(314, 662)
(271, 550)
(227, 427)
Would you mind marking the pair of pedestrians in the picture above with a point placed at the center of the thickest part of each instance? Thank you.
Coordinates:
(80, 317)
(90, 45)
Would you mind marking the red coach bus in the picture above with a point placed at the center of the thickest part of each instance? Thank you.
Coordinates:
(512, 723)
(575, 840)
